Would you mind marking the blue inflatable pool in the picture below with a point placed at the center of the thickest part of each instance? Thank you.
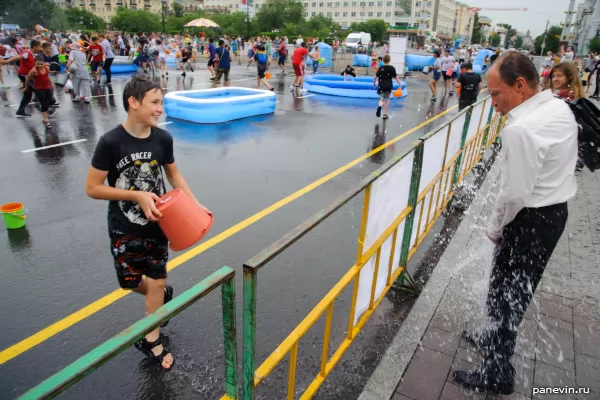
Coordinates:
(115, 69)
(361, 60)
(415, 62)
(335, 85)
(213, 106)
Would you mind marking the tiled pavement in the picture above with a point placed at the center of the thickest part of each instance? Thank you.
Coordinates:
(559, 339)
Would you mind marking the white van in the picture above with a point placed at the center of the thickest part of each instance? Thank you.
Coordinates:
(353, 40)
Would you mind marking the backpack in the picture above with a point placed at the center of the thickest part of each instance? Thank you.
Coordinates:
(588, 118)
(262, 58)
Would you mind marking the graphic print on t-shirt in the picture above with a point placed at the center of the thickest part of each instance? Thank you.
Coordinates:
(137, 173)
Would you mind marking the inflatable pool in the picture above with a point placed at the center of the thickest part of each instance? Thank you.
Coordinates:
(415, 62)
(361, 60)
(114, 69)
(213, 106)
(335, 85)
(479, 60)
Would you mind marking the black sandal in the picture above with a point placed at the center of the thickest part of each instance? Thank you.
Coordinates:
(168, 297)
(146, 347)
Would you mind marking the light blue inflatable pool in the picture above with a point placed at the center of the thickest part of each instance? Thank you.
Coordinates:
(479, 59)
(335, 85)
(213, 106)
(361, 60)
(114, 69)
(415, 62)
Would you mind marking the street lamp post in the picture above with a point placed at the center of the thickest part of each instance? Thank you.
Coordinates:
(544, 40)
(164, 10)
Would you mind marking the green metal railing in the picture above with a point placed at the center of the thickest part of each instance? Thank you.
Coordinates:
(73, 373)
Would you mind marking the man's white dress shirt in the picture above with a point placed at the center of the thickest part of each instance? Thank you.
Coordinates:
(539, 152)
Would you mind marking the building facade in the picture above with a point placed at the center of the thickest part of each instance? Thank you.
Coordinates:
(438, 18)
(582, 26)
(464, 22)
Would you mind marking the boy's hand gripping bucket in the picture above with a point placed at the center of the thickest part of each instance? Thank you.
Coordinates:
(183, 221)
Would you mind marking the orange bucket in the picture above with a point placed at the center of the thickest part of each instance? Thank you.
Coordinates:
(183, 221)
(268, 75)
(398, 92)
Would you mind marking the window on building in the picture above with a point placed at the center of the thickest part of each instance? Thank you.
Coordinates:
(345, 14)
(305, 15)
(362, 3)
(321, 4)
(305, 5)
(428, 4)
(353, 14)
(353, 4)
(237, 6)
(370, 14)
(337, 14)
(379, 14)
(389, 3)
(418, 4)
(314, 4)
(313, 14)
(388, 14)
(321, 14)
(371, 4)
(337, 4)
(328, 4)
(361, 14)
(329, 14)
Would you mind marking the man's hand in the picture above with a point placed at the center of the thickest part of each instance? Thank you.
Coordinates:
(147, 201)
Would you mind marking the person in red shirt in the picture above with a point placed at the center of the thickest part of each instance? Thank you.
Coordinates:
(42, 85)
(96, 55)
(298, 64)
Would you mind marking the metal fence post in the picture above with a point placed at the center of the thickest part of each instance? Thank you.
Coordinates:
(229, 337)
(413, 196)
(487, 131)
(250, 277)
(462, 147)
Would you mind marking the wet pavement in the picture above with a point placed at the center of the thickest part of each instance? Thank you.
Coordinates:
(558, 345)
(60, 262)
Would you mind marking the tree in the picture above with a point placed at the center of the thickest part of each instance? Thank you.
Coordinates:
(594, 45)
(274, 14)
(552, 37)
(518, 43)
(27, 13)
(318, 26)
(406, 6)
(376, 27)
(135, 21)
(495, 40)
(80, 19)
(231, 24)
(477, 36)
(177, 9)
(59, 20)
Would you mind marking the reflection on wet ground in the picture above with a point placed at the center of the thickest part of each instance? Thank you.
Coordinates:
(60, 261)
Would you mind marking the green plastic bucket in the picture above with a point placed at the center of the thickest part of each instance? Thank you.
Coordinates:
(14, 215)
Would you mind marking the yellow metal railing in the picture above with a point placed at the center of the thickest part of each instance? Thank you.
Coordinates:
(422, 194)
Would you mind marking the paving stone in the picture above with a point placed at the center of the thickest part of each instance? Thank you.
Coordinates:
(442, 341)
(589, 396)
(556, 361)
(446, 322)
(556, 310)
(549, 376)
(469, 355)
(586, 360)
(587, 307)
(526, 339)
(455, 392)
(431, 355)
(513, 396)
(533, 310)
(398, 396)
(556, 299)
(587, 341)
(523, 374)
(588, 377)
(554, 339)
(424, 379)
(581, 251)
(581, 290)
(459, 365)
(555, 286)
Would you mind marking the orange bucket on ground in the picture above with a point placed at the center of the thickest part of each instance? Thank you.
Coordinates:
(183, 221)
(268, 75)
(398, 92)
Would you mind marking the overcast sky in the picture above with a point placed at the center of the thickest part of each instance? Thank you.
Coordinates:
(534, 19)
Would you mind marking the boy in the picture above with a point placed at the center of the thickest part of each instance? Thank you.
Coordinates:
(262, 64)
(211, 58)
(39, 79)
(349, 71)
(468, 86)
(385, 75)
(186, 58)
(223, 63)
(26, 63)
(53, 67)
(96, 56)
(132, 157)
(298, 64)
(109, 57)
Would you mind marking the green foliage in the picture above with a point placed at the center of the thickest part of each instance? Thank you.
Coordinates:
(274, 14)
(136, 21)
(495, 40)
(376, 27)
(177, 9)
(232, 24)
(518, 43)
(59, 20)
(477, 33)
(406, 6)
(27, 13)
(318, 26)
(595, 45)
(78, 18)
(551, 40)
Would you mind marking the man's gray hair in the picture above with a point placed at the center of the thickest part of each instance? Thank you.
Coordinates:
(513, 65)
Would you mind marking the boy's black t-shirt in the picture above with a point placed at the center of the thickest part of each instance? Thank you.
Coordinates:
(469, 82)
(385, 75)
(133, 164)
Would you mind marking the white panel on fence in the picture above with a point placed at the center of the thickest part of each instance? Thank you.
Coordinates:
(475, 123)
(389, 197)
(398, 46)
(456, 132)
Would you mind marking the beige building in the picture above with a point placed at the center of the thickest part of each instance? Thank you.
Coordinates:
(464, 22)
(105, 9)
(436, 17)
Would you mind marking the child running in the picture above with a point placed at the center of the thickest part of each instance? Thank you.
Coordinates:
(468, 86)
(262, 65)
(298, 64)
(385, 75)
(132, 158)
(42, 85)
(96, 59)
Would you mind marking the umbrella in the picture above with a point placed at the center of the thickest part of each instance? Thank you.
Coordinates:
(203, 23)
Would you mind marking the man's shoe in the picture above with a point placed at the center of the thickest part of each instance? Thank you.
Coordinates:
(480, 380)
(478, 340)
(22, 114)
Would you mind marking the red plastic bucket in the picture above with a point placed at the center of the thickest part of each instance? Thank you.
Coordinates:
(183, 221)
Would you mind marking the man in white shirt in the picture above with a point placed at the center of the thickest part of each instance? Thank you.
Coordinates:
(462, 55)
(299, 41)
(109, 57)
(539, 152)
(569, 56)
(121, 44)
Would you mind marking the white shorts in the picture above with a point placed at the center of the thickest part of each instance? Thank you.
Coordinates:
(162, 56)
